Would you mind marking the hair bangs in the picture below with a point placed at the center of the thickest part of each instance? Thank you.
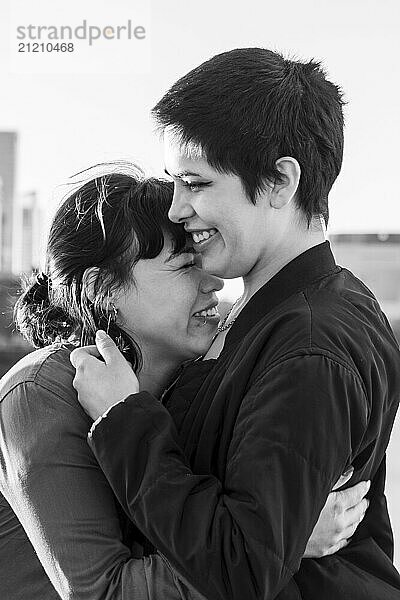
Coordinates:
(153, 198)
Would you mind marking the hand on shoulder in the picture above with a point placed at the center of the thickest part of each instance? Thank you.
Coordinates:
(103, 376)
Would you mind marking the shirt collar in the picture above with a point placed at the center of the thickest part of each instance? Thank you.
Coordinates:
(315, 263)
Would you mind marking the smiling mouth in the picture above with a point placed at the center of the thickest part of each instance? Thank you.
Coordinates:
(208, 312)
(203, 235)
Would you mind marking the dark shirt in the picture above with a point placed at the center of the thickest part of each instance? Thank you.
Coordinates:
(56, 504)
(307, 384)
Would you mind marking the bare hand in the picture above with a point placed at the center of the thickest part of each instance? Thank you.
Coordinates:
(102, 383)
(339, 519)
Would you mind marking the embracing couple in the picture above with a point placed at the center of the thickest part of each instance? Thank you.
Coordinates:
(150, 451)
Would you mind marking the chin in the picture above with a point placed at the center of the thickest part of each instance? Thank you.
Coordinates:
(229, 267)
(224, 271)
(204, 344)
(222, 264)
(213, 265)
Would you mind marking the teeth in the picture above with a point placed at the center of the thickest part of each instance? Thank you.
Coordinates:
(210, 312)
(201, 236)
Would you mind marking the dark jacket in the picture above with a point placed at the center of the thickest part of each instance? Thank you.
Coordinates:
(308, 384)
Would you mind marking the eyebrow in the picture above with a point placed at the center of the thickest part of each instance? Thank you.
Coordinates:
(183, 174)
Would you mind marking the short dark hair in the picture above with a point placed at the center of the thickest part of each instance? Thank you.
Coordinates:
(249, 107)
(110, 222)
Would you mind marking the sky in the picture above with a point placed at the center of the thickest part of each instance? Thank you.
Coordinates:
(69, 121)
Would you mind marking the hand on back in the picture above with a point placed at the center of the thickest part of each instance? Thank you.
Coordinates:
(343, 512)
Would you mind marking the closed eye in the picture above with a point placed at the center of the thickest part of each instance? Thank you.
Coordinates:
(195, 187)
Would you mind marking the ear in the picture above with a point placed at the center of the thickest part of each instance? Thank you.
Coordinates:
(89, 282)
(283, 192)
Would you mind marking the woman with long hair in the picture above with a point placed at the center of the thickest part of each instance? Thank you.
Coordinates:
(110, 244)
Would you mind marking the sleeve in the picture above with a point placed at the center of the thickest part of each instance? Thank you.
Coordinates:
(53, 483)
(242, 537)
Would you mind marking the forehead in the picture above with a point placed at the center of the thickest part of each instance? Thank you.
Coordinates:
(168, 254)
(184, 159)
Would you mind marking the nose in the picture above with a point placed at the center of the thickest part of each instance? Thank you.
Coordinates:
(180, 209)
(210, 283)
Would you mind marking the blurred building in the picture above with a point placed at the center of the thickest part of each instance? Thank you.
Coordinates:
(374, 258)
(8, 150)
(28, 234)
(20, 246)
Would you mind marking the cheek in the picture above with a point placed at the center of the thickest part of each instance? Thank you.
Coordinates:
(174, 310)
(163, 312)
(242, 234)
(212, 210)
(200, 337)
(141, 313)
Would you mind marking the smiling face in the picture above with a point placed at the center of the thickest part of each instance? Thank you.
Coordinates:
(232, 234)
(171, 308)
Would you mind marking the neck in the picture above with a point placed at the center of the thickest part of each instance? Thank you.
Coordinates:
(156, 373)
(291, 245)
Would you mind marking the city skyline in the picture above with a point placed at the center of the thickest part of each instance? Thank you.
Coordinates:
(22, 229)
(8, 165)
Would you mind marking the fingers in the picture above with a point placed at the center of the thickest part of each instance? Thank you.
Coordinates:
(107, 347)
(344, 478)
(78, 355)
(333, 549)
(346, 499)
(347, 523)
(350, 531)
(354, 517)
(356, 513)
